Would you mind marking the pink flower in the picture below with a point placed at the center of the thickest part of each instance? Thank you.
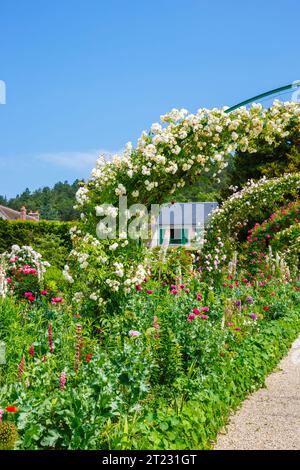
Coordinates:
(62, 380)
(196, 311)
(187, 290)
(204, 309)
(56, 300)
(149, 291)
(28, 294)
(199, 296)
(44, 292)
(191, 317)
(204, 317)
(8, 280)
(182, 286)
(31, 350)
(21, 367)
(172, 287)
(134, 333)
(174, 291)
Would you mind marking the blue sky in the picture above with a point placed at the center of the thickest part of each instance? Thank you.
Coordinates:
(84, 76)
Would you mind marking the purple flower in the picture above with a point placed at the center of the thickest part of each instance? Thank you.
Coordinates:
(249, 300)
(238, 303)
(134, 333)
(253, 316)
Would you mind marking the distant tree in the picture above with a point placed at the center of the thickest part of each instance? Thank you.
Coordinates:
(52, 203)
(270, 162)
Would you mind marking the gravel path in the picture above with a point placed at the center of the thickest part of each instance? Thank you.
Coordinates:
(270, 418)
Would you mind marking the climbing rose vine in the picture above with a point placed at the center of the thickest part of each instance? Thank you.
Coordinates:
(175, 152)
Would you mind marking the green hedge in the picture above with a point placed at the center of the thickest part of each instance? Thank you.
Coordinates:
(52, 239)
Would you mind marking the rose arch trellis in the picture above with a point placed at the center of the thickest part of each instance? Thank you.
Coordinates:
(174, 153)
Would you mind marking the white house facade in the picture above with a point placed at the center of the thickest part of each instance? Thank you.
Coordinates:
(181, 224)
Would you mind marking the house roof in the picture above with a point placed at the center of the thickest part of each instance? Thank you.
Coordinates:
(7, 213)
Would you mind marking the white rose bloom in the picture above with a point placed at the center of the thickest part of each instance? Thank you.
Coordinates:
(114, 246)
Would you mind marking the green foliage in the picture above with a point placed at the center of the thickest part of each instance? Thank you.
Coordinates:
(271, 161)
(51, 239)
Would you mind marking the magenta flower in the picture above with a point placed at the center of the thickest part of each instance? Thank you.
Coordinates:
(204, 317)
(174, 291)
(44, 292)
(204, 309)
(196, 311)
(182, 286)
(149, 291)
(56, 300)
(28, 294)
(138, 287)
(172, 287)
(191, 317)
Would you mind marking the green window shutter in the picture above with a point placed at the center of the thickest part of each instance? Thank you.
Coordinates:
(185, 236)
(161, 235)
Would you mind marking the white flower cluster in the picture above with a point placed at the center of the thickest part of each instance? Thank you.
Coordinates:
(191, 143)
(67, 274)
(3, 282)
(26, 255)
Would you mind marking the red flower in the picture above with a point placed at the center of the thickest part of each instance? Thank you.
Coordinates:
(11, 409)
(88, 357)
(44, 292)
(138, 287)
(266, 308)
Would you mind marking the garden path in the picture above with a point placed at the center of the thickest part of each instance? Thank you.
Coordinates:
(269, 418)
